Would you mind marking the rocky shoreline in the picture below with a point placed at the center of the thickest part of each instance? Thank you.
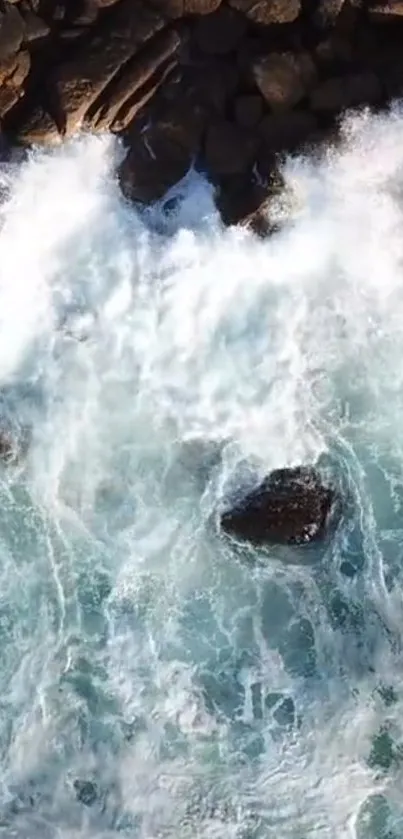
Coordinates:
(230, 84)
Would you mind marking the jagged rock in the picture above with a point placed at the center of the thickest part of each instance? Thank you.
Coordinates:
(86, 792)
(386, 12)
(245, 201)
(36, 29)
(327, 12)
(81, 84)
(180, 8)
(138, 84)
(161, 154)
(284, 78)
(248, 110)
(13, 73)
(285, 132)
(291, 506)
(268, 11)
(228, 149)
(220, 33)
(11, 31)
(343, 92)
(38, 128)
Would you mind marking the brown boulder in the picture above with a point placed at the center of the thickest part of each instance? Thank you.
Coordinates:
(344, 92)
(267, 12)
(142, 77)
(180, 8)
(285, 132)
(284, 78)
(38, 128)
(248, 110)
(81, 84)
(229, 150)
(13, 73)
(242, 200)
(36, 30)
(291, 506)
(220, 33)
(11, 31)
(161, 155)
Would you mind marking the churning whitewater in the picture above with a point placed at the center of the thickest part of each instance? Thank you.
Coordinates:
(156, 680)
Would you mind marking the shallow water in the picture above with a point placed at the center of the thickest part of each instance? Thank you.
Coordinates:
(157, 680)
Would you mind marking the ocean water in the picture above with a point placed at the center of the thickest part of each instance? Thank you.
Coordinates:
(157, 680)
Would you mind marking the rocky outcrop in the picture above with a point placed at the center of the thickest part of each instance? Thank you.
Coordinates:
(228, 84)
(291, 506)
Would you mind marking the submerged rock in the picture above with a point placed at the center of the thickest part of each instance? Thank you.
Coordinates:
(291, 506)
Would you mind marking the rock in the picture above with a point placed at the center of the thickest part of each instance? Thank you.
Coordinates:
(81, 84)
(386, 12)
(220, 33)
(243, 200)
(248, 110)
(343, 92)
(291, 506)
(38, 128)
(327, 12)
(13, 73)
(138, 83)
(11, 32)
(228, 149)
(161, 155)
(268, 11)
(285, 132)
(36, 30)
(284, 78)
(180, 8)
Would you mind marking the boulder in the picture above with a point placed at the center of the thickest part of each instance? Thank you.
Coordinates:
(341, 92)
(291, 506)
(268, 11)
(180, 8)
(13, 72)
(229, 150)
(220, 33)
(11, 31)
(284, 78)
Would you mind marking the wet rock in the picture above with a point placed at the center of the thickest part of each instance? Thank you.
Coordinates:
(284, 79)
(13, 73)
(386, 12)
(36, 29)
(248, 110)
(268, 11)
(228, 149)
(220, 33)
(244, 201)
(327, 12)
(285, 132)
(11, 31)
(343, 92)
(86, 792)
(180, 8)
(83, 84)
(138, 84)
(291, 506)
(284, 714)
(160, 156)
(38, 127)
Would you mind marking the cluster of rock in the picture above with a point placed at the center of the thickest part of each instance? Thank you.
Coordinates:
(230, 83)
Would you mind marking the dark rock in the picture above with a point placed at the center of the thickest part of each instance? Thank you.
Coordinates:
(160, 155)
(285, 132)
(81, 84)
(343, 92)
(248, 110)
(124, 99)
(36, 29)
(284, 78)
(11, 31)
(327, 12)
(86, 792)
(220, 33)
(291, 506)
(180, 8)
(268, 11)
(13, 73)
(245, 201)
(228, 149)
(386, 12)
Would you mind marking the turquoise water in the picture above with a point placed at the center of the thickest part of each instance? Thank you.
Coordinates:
(156, 680)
